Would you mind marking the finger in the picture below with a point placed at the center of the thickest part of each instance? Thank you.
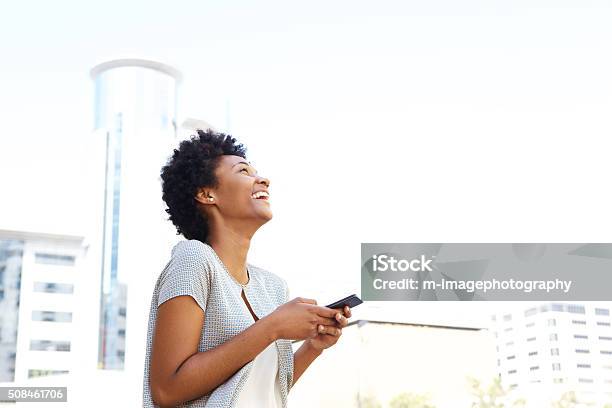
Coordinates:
(325, 311)
(326, 321)
(347, 311)
(332, 331)
(343, 321)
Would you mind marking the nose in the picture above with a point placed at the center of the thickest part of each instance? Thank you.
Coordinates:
(264, 180)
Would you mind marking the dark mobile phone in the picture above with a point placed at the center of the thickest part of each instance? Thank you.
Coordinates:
(351, 301)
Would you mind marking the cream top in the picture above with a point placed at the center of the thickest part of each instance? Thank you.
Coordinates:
(262, 388)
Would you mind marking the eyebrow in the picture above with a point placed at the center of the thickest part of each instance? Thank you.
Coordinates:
(240, 162)
(248, 164)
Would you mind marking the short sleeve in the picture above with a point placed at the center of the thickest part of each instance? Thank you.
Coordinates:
(187, 273)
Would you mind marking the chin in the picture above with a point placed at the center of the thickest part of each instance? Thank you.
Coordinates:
(266, 216)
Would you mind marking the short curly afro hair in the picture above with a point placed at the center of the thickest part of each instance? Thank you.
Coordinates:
(191, 167)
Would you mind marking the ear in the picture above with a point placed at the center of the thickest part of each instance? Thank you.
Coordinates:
(205, 197)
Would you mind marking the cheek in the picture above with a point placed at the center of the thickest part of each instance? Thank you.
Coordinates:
(237, 194)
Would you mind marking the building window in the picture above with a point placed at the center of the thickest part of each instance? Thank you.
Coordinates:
(531, 312)
(554, 352)
(553, 337)
(579, 321)
(552, 322)
(511, 357)
(575, 309)
(510, 343)
(49, 345)
(556, 366)
(507, 317)
(531, 339)
(605, 338)
(533, 353)
(585, 380)
(583, 365)
(511, 371)
(51, 287)
(530, 324)
(558, 307)
(534, 368)
(602, 312)
(43, 373)
(51, 316)
(582, 351)
(603, 323)
(580, 336)
(558, 380)
(607, 352)
(54, 259)
(14, 252)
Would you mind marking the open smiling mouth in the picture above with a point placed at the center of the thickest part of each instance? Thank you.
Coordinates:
(260, 195)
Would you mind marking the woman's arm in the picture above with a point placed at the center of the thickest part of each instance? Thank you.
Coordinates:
(177, 373)
(302, 358)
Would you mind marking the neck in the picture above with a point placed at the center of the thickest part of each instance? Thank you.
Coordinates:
(232, 245)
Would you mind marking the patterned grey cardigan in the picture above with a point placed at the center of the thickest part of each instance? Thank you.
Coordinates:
(196, 270)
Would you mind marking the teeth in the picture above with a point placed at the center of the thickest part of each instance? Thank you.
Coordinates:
(260, 194)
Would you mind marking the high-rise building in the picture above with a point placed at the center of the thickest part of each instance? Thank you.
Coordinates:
(557, 346)
(41, 295)
(135, 118)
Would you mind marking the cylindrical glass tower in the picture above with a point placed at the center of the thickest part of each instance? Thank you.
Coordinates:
(135, 110)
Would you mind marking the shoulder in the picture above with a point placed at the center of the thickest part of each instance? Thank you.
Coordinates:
(189, 272)
(191, 247)
(194, 251)
(191, 257)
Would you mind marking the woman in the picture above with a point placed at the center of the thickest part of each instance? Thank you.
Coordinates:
(220, 328)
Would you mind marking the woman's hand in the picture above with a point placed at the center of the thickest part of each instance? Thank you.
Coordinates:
(299, 319)
(327, 336)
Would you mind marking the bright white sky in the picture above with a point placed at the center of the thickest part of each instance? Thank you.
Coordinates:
(437, 121)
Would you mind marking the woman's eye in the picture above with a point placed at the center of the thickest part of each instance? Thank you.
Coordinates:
(245, 170)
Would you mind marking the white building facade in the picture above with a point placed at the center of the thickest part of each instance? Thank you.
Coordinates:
(40, 293)
(555, 347)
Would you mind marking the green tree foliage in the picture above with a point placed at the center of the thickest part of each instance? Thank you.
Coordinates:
(409, 400)
(493, 395)
(366, 401)
(567, 400)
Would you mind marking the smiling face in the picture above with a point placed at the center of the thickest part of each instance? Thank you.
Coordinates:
(241, 194)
